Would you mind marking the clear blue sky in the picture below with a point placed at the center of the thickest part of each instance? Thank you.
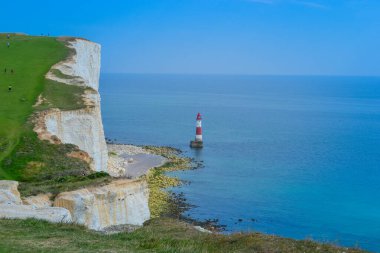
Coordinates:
(339, 37)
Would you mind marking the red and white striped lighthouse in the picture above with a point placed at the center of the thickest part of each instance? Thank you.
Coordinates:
(198, 131)
(198, 143)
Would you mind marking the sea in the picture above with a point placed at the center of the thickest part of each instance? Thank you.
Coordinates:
(293, 156)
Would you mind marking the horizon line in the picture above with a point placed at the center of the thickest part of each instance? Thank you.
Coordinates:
(239, 74)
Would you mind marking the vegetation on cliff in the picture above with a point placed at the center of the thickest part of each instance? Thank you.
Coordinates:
(38, 165)
(158, 235)
(23, 65)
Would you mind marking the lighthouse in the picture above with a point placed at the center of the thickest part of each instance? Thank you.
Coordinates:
(198, 143)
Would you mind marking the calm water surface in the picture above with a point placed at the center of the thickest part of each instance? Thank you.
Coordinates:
(292, 156)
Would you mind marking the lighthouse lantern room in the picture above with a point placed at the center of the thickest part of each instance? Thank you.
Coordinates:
(198, 143)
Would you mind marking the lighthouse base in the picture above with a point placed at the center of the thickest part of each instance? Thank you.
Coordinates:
(196, 144)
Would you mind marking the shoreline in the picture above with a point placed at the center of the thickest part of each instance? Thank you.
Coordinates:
(162, 202)
(131, 161)
(166, 204)
(152, 164)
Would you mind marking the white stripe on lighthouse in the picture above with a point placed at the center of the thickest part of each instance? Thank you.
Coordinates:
(198, 130)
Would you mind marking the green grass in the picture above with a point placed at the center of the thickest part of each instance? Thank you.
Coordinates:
(40, 167)
(158, 235)
(30, 58)
(64, 97)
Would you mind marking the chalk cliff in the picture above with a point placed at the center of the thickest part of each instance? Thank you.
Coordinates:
(84, 127)
(11, 206)
(83, 66)
(121, 202)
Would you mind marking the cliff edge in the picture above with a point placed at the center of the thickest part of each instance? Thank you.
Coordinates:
(83, 127)
(99, 206)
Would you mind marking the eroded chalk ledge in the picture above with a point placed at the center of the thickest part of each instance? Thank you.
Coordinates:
(12, 207)
(119, 206)
(122, 202)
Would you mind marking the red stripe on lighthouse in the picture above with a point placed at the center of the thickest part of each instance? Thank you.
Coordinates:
(198, 131)
(198, 142)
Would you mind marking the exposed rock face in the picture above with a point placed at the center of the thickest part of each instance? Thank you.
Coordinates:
(121, 202)
(83, 66)
(9, 193)
(84, 127)
(41, 200)
(11, 206)
(51, 214)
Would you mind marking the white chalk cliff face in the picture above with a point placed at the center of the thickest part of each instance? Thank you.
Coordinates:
(83, 66)
(11, 206)
(122, 202)
(119, 203)
(84, 127)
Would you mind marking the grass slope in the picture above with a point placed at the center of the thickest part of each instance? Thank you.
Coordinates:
(38, 165)
(159, 235)
(30, 58)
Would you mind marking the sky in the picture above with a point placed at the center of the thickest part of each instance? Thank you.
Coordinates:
(255, 37)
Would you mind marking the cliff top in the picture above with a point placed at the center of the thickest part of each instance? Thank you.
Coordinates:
(23, 63)
(38, 165)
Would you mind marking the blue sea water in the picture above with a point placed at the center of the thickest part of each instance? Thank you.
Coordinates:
(292, 156)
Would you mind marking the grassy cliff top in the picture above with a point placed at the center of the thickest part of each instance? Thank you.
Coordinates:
(23, 64)
(38, 165)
